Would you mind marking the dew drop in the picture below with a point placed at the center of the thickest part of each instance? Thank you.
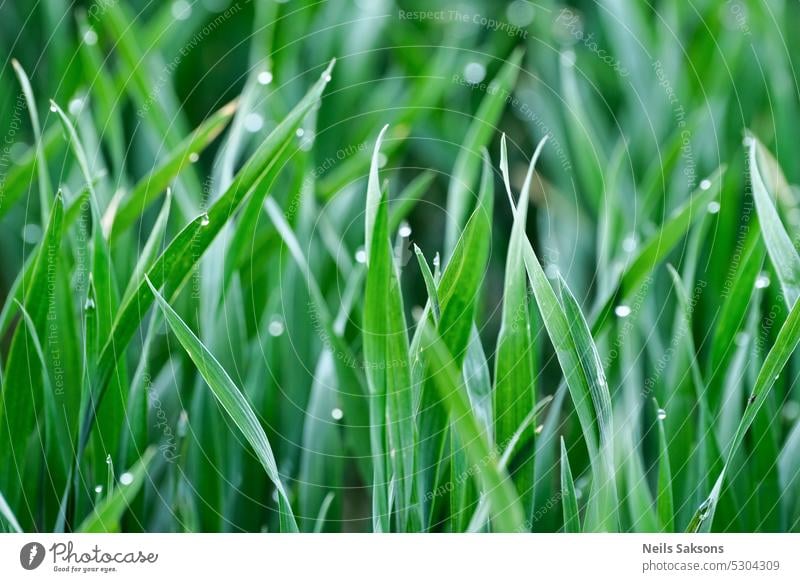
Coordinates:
(108, 460)
(90, 37)
(539, 429)
(361, 256)
(393, 453)
(276, 326)
(275, 496)
(629, 243)
(98, 489)
(89, 306)
(31, 233)
(713, 207)
(622, 311)
(183, 423)
(474, 73)
(437, 261)
(662, 414)
(53, 107)
(327, 78)
(126, 478)
(382, 160)
(193, 157)
(791, 411)
(705, 184)
(181, 10)
(204, 219)
(762, 281)
(253, 122)
(520, 13)
(300, 132)
(75, 106)
(337, 414)
(264, 78)
(404, 230)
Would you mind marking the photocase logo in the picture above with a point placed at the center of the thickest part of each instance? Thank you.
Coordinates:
(31, 555)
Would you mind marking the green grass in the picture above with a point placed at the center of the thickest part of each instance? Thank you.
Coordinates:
(319, 266)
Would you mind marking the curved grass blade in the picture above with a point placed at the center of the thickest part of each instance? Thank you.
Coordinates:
(41, 160)
(781, 251)
(232, 400)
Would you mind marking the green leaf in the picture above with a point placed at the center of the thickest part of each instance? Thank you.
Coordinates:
(569, 501)
(232, 401)
(515, 373)
(386, 360)
(664, 498)
(781, 251)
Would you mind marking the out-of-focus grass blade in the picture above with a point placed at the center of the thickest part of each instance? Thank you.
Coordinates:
(150, 186)
(41, 161)
(232, 400)
(781, 251)
(151, 248)
(506, 510)
(8, 515)
(19, 177)
(785, 344)
(481, 130)
(569, 501)
(106, 516)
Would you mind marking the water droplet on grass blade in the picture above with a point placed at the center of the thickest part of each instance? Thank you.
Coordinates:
(629, 243)
(337, 414)
(622, 311)
(126, 478)
(181, 10)
(204, 219)
(361, 256)
(276, 326)
(193, 157)
(31, 233)
(705, 184)
(90, 37)
(474, 73)
(713, 207)
(75, 106)
(89, 306)
(762, 281)
(300, 132)
(404, 230)
(253, 122)
(264, 78)
(662, 414)
(98, 489)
